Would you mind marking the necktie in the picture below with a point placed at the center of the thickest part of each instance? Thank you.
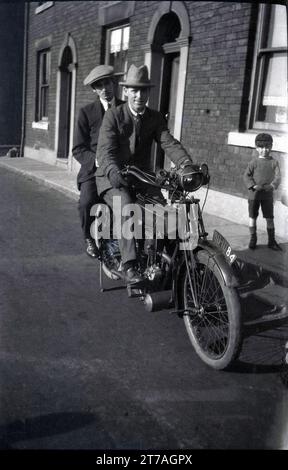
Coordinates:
(137, 120)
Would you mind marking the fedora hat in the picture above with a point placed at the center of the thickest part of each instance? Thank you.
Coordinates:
(98, 73)
(137, 77)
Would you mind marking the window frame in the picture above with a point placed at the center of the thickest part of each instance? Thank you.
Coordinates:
(119, 75)
(42, 85)
(261, 56)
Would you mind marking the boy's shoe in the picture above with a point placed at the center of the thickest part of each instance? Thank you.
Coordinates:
(253, 242)
(274, 245)
(271, 240)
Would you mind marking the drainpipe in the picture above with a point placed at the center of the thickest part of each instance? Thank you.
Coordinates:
(24, 78)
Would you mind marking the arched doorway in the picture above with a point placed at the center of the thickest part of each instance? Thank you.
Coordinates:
(165, 65)
(165, 72)
(65, 101)
(166, 54)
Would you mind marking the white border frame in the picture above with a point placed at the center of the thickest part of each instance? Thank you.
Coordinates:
(43, 7)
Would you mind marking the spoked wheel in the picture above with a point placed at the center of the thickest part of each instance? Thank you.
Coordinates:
(212, 315)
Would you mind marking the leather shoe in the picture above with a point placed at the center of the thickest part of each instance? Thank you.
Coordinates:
(274, 246)
(91, 249)
(131, 276)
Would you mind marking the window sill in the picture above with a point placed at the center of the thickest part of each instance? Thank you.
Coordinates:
(247, 139)
(43, 125)
(43, 7)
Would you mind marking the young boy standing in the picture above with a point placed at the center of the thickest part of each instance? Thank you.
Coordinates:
(261, 177)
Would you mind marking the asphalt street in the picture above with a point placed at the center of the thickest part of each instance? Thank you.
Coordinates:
(81, 369)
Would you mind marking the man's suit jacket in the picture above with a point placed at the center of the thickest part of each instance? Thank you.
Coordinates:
(116, 145)
(86, 138)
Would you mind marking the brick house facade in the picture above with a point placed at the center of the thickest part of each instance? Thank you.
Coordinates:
(210, 47)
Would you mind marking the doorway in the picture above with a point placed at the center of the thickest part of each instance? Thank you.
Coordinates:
(164, 74)
(166, 55)
(65, 69)
(168, 98)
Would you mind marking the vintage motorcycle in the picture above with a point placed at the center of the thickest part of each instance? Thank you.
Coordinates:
(189, 274)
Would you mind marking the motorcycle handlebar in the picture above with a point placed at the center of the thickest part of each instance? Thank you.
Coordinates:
(140, 175)
(170, 179)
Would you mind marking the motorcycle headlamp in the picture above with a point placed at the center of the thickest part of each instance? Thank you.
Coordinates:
(192, 178)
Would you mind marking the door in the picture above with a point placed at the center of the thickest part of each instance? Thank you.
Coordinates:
(168, 98)
(65, 105)
(173, 92)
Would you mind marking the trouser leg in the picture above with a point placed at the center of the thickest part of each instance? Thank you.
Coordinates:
(88, 197)
(127, 246)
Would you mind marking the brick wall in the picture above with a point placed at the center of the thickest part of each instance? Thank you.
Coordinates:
(217, 83)
(214, 90)
(11, 64)
(80, 20)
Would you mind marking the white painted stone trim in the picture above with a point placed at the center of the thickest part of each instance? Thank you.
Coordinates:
(247, 139)
(180, 92)
(43, 125)
(43, 7)
(72, 117)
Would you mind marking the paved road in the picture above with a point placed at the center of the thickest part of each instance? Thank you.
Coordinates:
(81, 369)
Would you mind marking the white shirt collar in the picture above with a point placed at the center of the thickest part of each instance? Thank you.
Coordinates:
(134, 112)
(105, 104)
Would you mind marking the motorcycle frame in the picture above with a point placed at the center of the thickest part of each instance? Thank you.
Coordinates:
(227, 271)
(215, 253)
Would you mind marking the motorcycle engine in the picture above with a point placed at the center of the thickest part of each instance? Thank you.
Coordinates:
(153, 272)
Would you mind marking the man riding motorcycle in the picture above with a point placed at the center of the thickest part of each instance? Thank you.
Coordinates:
(126, 137)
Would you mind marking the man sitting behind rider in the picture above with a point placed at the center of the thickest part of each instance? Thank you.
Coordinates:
(126, 137)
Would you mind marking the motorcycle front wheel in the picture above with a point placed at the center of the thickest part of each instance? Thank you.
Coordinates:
(213, 315)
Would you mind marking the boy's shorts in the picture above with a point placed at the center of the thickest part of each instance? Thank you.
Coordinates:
(266, 206)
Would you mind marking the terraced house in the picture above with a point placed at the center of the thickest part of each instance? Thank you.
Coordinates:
(220, 70)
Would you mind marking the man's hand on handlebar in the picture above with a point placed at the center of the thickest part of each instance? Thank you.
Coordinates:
(116, 179)
(187, 168)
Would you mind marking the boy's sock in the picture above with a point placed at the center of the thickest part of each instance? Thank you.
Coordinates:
(253, 238)
(271, 240)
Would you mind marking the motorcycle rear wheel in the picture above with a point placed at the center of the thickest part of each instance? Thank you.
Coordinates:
(214, 325)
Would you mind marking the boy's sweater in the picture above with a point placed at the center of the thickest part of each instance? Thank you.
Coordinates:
(262, 171)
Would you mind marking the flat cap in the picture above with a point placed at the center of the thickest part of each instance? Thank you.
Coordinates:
(98, 73)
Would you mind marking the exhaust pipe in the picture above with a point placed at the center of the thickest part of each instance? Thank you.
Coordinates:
(158, 301)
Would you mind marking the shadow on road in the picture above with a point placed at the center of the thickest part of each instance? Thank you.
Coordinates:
(42, 426)
(263, 295)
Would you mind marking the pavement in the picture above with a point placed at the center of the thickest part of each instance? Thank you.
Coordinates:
(262, 263)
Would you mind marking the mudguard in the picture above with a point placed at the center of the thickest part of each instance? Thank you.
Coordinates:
(227, 271)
